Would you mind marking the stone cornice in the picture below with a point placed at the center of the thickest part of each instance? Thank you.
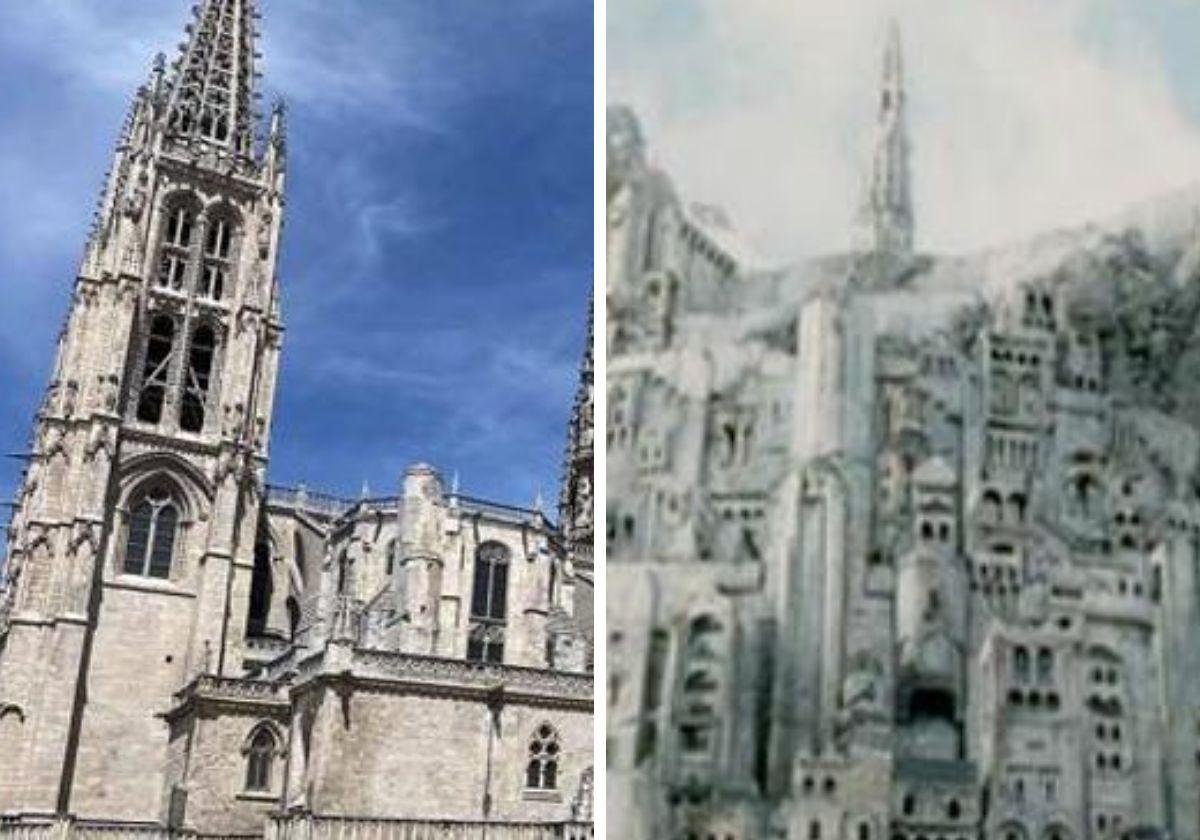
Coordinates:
(230, 693)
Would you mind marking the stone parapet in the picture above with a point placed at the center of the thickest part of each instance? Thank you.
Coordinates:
(312, 827)
(70, 828)
(208, 688)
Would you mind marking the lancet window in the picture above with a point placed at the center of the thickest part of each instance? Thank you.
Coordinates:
(150, 546)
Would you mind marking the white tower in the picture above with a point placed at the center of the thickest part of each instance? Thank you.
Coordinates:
(885, 221)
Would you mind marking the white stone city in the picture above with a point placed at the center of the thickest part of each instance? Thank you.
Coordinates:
(900, 545)
(186, 651)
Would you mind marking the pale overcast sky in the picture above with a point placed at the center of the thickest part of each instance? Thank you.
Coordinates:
(1024, 114)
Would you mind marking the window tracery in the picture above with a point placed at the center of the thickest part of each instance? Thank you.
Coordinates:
(260, 759)
(541, 773)
(489, 595)
(150, 545)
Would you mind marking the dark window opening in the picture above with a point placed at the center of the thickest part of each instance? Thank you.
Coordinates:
(160, 347)
(199, 379)
(260, 591)
(930, 704)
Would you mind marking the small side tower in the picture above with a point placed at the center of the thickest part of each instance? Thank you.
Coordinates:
(421, 560)
(885, 220)
(132, 541)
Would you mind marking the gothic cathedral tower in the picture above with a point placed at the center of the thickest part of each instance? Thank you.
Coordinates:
(132, 543)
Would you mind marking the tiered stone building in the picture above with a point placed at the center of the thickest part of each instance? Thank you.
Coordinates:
(900, 545)
(188, 651)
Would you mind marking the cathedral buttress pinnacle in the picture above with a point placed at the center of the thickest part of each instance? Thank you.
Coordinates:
(886, 215)
(575, 509)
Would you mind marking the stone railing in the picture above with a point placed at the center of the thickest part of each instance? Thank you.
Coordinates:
(297, 827)
(233, 688)
(210, 688)
(304, 499)
(458, 672)
(68, 828)
(15, 828)
(310, 827)
(473, 504)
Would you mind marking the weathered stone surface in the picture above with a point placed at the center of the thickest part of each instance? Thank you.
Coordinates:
(900, 545)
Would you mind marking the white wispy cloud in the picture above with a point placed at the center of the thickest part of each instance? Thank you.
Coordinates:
(1025, 114)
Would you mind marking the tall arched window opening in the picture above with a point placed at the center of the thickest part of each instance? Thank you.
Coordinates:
(160, 349)
(151, 543)
(541, 773)
(261, 593)
(198, 380)
(260, 759)
(293, 611)
(1021, 664)
(177, 240)
(489, 604)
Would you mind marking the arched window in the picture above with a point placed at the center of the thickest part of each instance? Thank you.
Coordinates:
(343, 572)
(260, 760)
(293, 611)
(1021, 664)
(199, 378)
(177, 240)
(218, 248)
(390, 553)
(1045, 665)
(488, 604)
(151, 543)
(992, 507)
(160, 349)
(541, 773)
(488, 598)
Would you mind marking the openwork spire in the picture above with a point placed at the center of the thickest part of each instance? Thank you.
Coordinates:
(886, 216)
(212, 87)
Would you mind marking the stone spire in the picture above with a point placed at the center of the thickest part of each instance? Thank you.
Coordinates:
(575, 507)
(212, 86)
(886, 216)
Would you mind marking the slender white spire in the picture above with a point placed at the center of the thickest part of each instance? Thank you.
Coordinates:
(886, 216)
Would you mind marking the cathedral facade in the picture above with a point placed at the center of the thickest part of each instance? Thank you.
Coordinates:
(900, 545)
(187, 651)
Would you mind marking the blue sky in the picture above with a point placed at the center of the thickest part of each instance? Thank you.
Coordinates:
(1024, 114)
(437, 258)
